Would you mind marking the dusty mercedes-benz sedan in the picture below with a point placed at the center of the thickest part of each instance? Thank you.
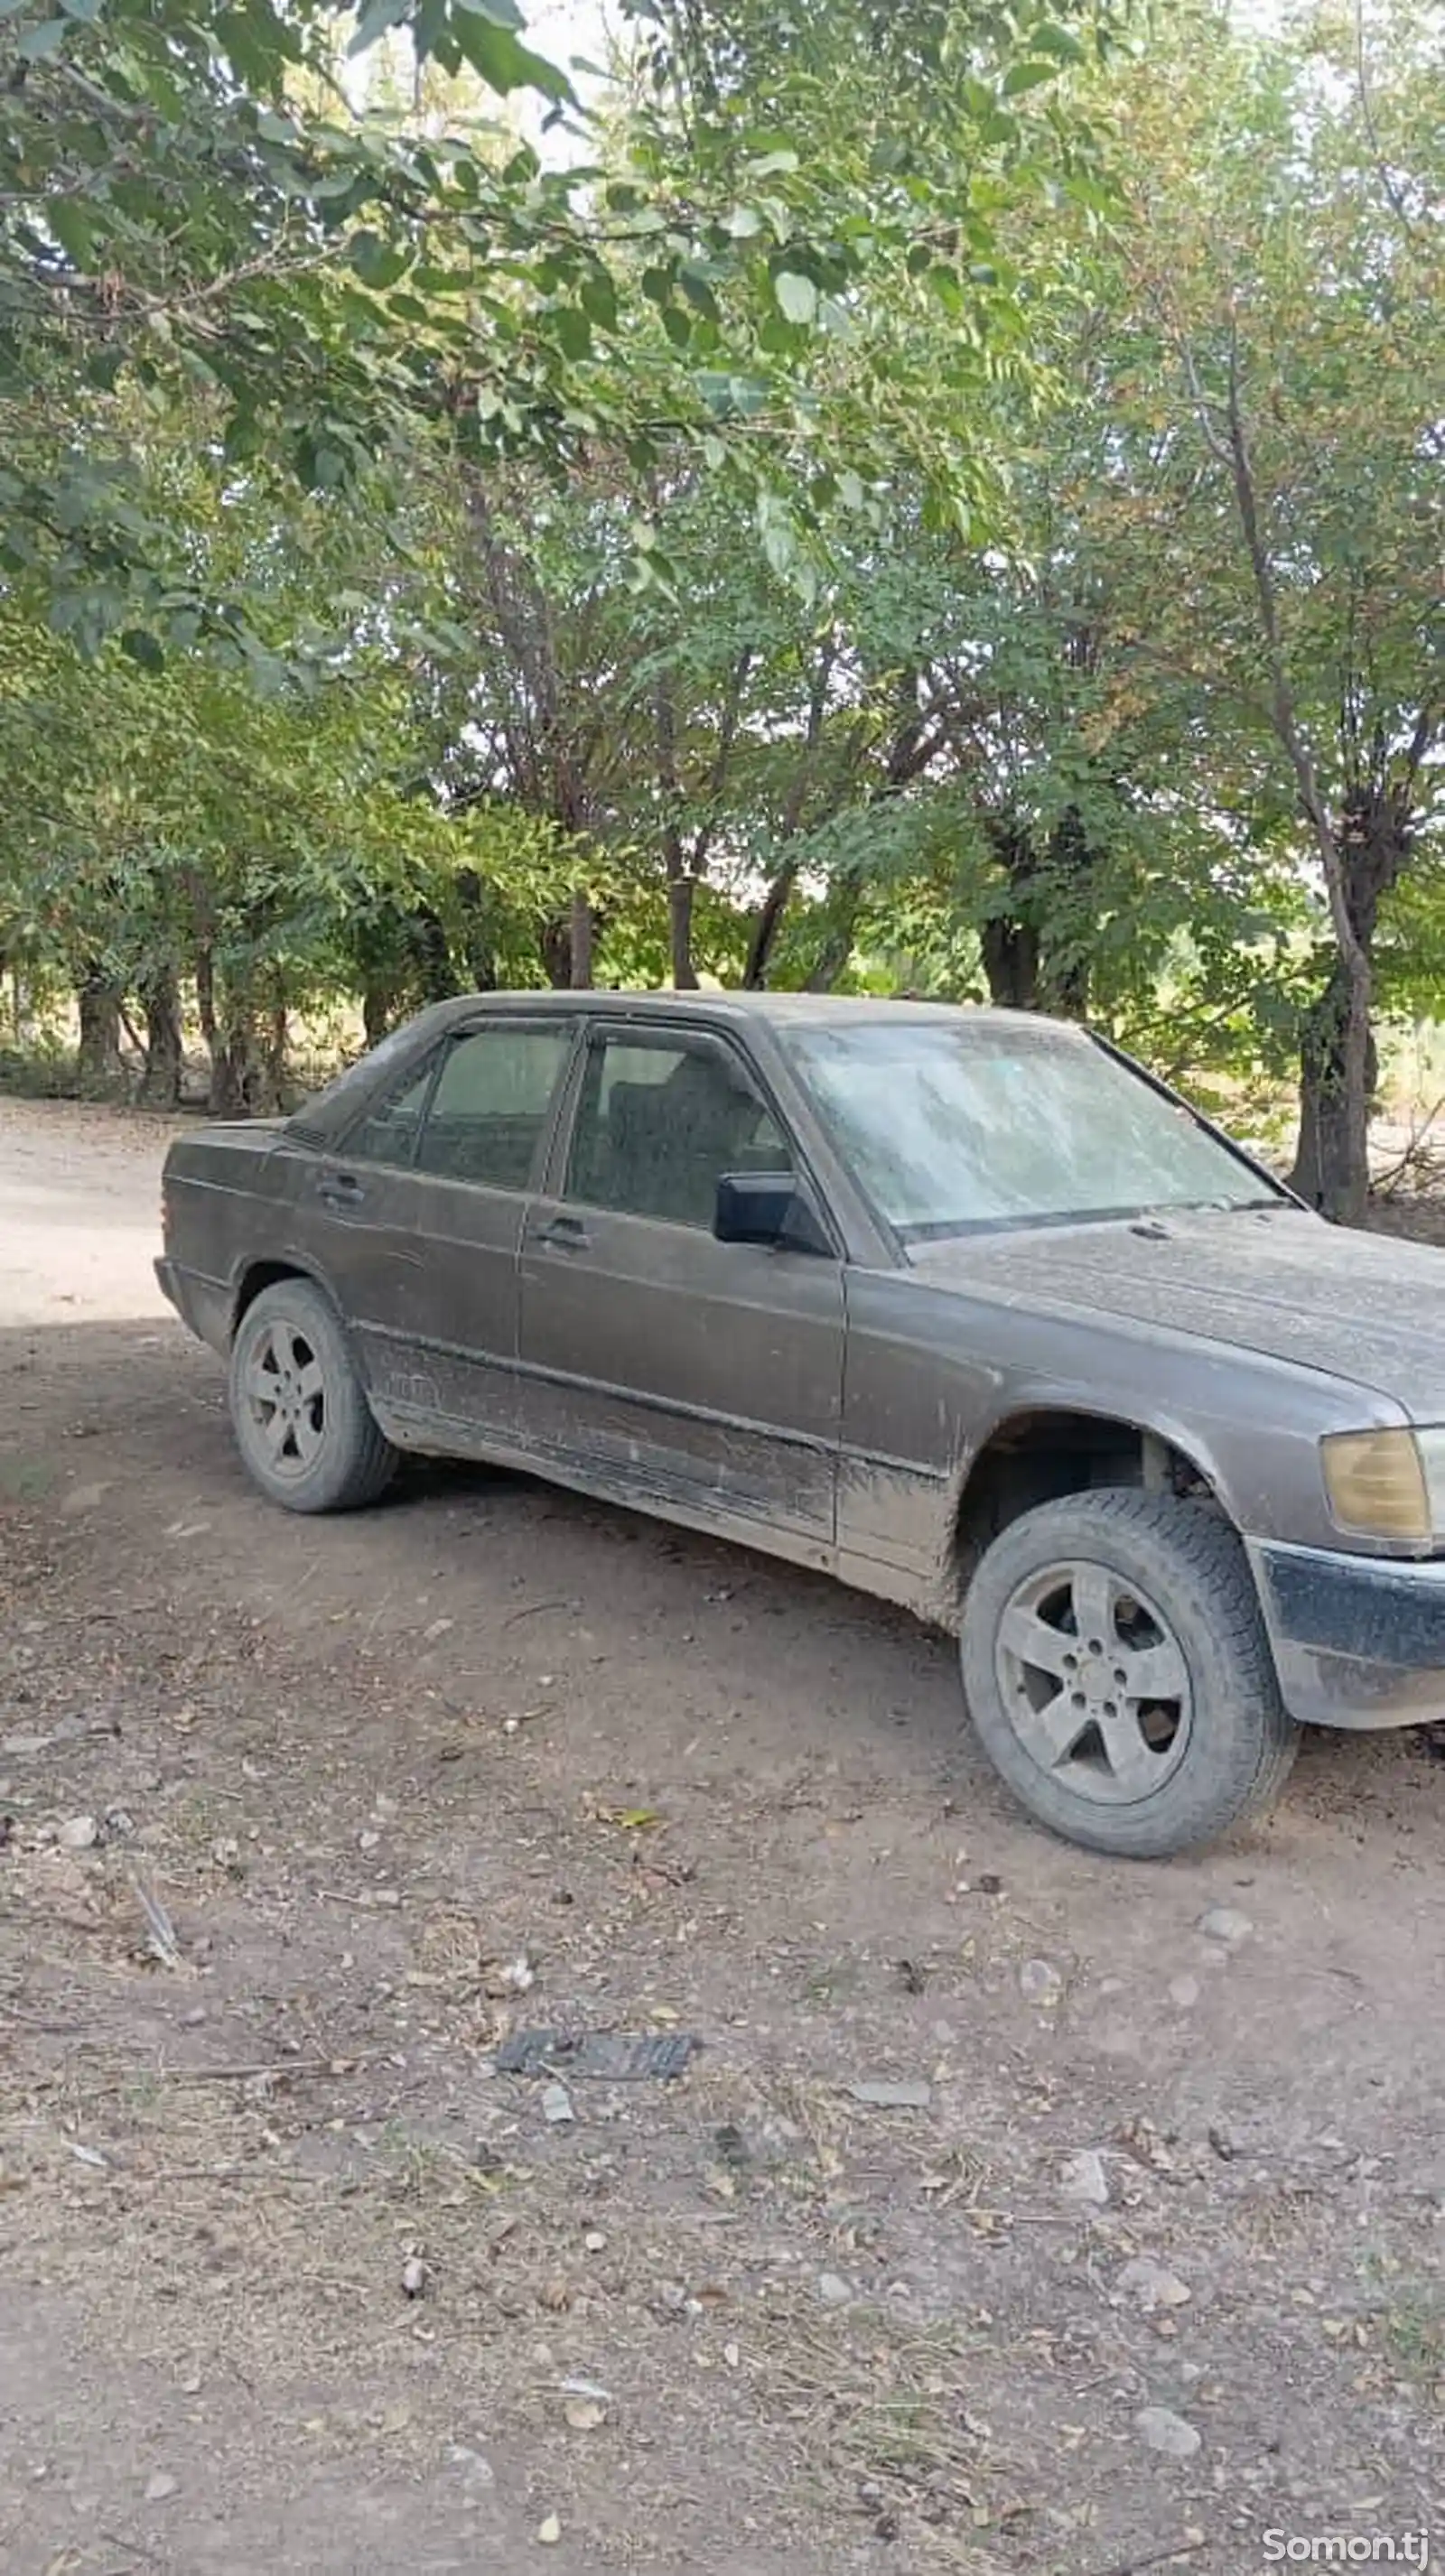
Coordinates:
(960, 1306)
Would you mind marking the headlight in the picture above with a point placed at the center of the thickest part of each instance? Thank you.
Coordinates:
(1387, 1484)
(1431, 1445)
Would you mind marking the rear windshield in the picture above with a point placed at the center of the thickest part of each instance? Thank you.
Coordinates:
(964, 1128)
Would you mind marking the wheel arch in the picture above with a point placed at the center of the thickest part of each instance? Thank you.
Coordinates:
(1040, 1451)
(254, 1275)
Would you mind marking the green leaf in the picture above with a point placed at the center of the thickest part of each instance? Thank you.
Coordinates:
(574, 332)
(1058, 41)
(72, 229)
(505, 64)
(375, 19)
(377, 263)
(143, 648)
(1028, 75)
(598, 298)
(797, 295)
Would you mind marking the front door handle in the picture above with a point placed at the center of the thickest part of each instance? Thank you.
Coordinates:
(563, 1234)
(340, 1190)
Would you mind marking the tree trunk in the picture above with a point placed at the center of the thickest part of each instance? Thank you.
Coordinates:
(378, 1007)
(426, 935)
(1011, 963)
(237, 1069)
(273, 1057)
(206, 993)
(1070, 918)
(580, 937)
(837, 945)
(160, 996)
(555, 941)
(98, 1062)
(1331, 1167)
(680, 892)
(479, 949)
(1033, 954)
(1339, 1064)
(232, 1075)
(767, 926)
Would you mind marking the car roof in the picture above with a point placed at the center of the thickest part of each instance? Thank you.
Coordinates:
(791, 1009)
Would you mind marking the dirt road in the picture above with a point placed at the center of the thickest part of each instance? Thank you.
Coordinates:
(1154, 2268)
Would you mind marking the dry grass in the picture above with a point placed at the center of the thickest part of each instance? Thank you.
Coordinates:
(877, 2410)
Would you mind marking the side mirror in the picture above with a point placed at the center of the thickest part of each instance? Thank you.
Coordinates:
(770, 1208)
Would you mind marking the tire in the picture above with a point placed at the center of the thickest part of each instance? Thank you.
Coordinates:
(309, 1441)
(1175, 1731)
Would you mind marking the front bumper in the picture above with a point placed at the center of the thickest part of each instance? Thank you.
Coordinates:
(1358, 1641)
(204, 1304)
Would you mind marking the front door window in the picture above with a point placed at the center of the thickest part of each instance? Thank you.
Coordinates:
(659, 1123)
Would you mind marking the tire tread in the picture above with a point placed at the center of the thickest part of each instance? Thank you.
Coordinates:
(360, 1466)
(1202, 1548)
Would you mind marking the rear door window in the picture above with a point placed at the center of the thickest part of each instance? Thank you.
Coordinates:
(490, 1109)
(389, 1131)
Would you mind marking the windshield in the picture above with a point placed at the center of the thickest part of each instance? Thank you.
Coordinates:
(956, 1128)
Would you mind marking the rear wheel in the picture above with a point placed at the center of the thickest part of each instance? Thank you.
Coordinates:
(298, 1407)
(1119, 1676)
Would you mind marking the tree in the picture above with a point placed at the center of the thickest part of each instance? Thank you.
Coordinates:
(1280, 366)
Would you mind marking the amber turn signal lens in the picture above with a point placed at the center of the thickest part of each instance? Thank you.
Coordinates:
(1376, 1484)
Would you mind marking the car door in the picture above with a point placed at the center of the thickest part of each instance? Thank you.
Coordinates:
(656, 1360)
(353, 1217)
(483, 1135)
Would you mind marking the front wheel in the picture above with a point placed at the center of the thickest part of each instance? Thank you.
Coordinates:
(298, 1408)
(1119, 1676)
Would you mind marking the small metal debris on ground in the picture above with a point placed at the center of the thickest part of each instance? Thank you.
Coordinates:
(160, 1931)
(602, 2057)
(557, 2106)
(909, 2093)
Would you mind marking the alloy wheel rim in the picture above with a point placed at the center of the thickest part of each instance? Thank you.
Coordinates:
(1095, 1683)
(284, 1392)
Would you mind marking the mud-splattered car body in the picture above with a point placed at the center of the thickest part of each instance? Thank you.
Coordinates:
(559, 1287)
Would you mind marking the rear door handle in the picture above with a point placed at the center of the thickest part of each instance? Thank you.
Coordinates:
(563, 1234)
(340, 1190)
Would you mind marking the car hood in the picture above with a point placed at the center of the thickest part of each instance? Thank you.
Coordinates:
(1362, 1307)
